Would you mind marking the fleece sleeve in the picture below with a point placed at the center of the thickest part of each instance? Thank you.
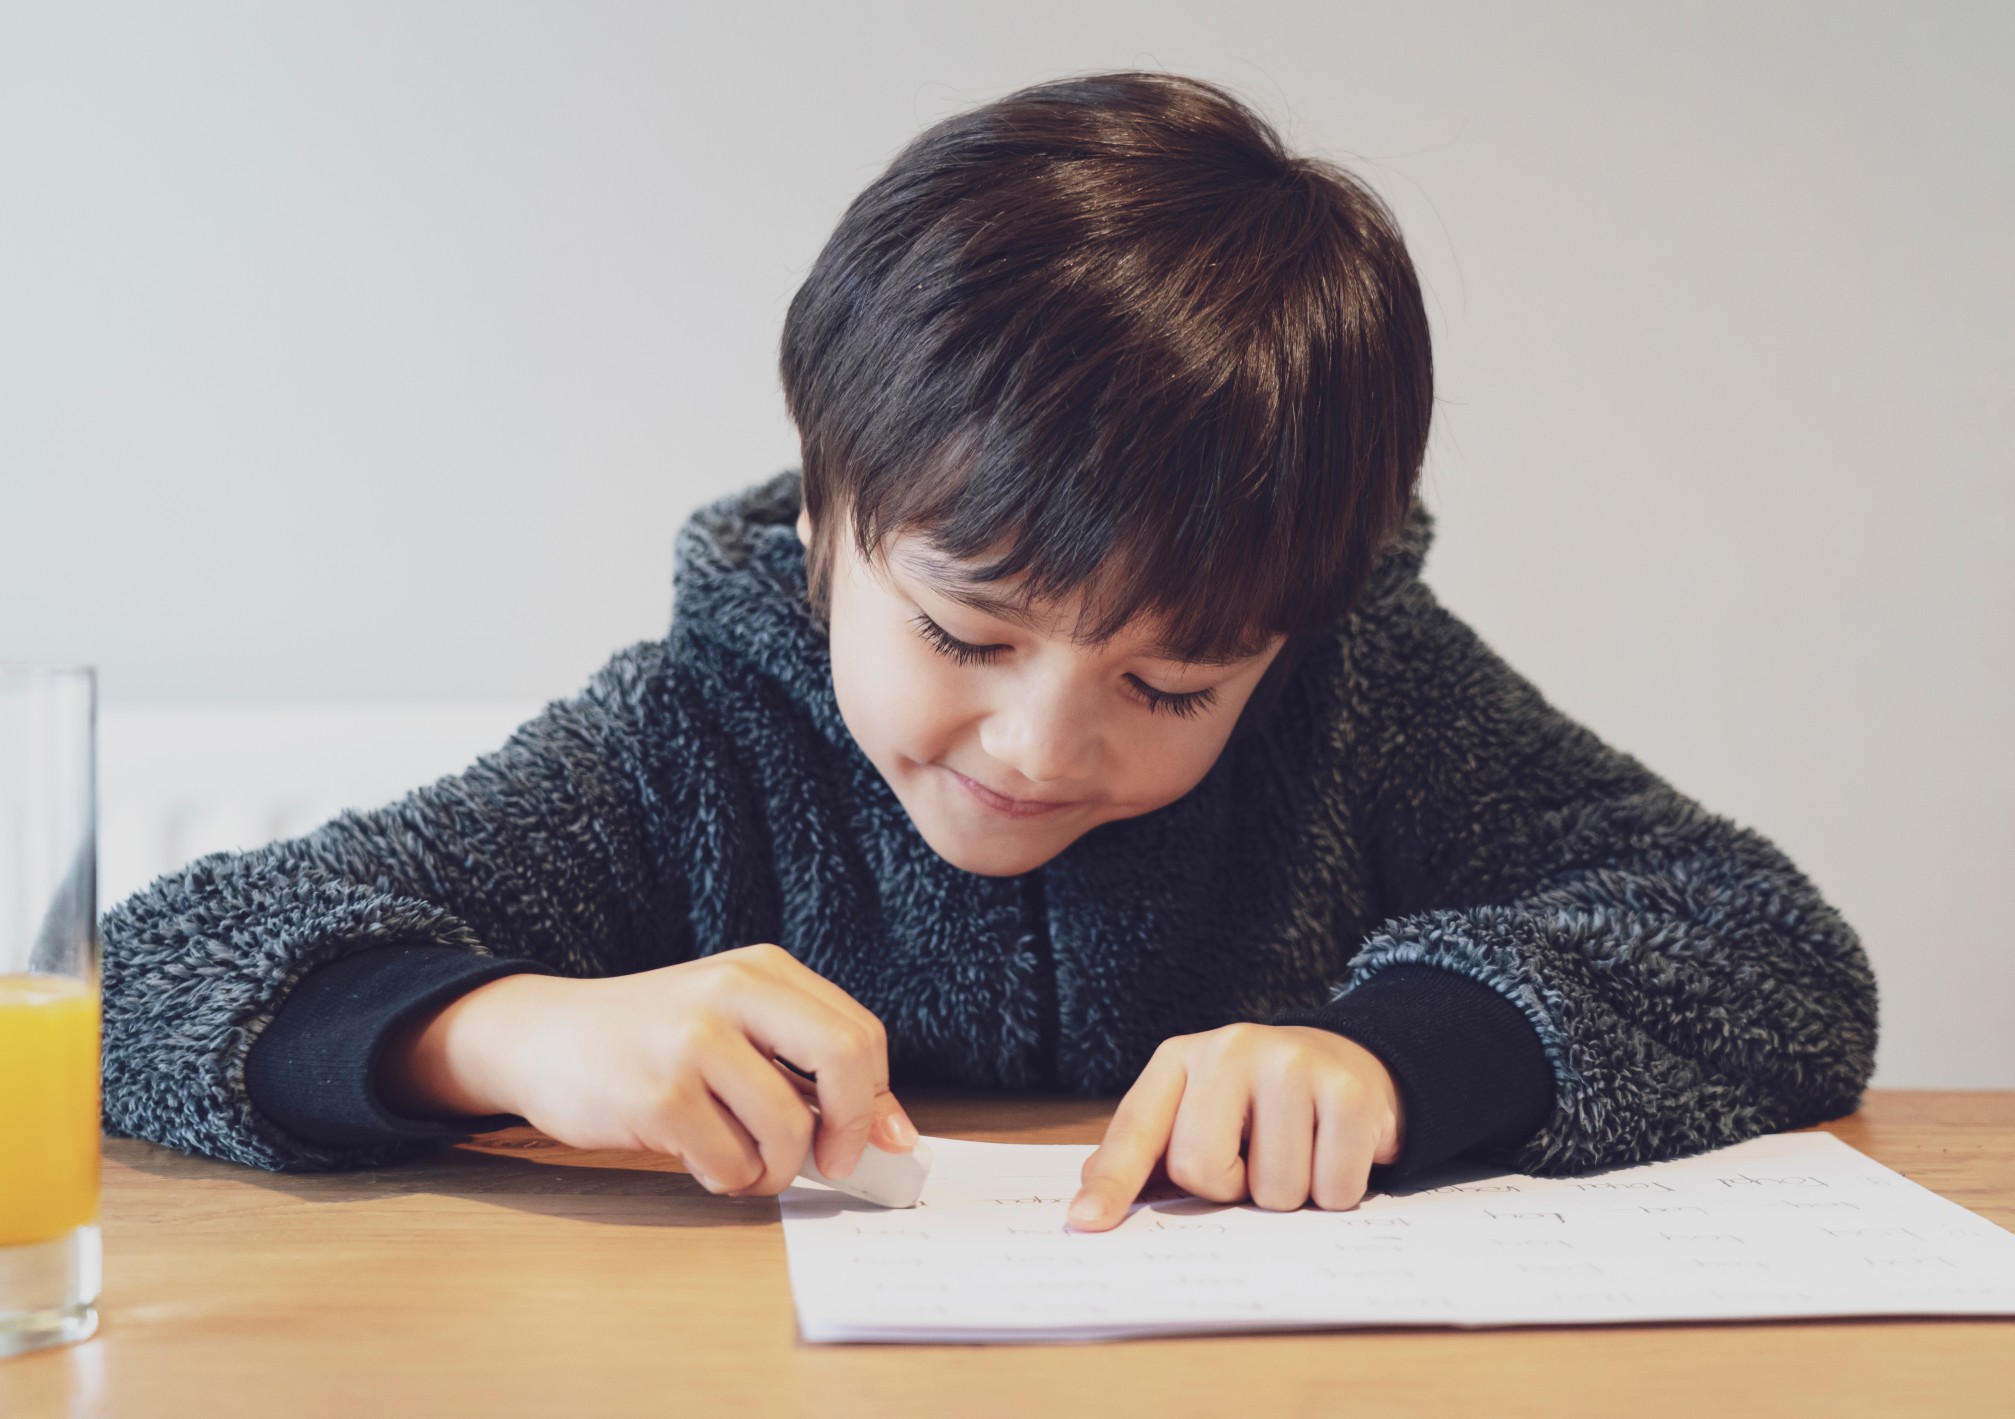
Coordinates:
(547, 854)
(1687, 984)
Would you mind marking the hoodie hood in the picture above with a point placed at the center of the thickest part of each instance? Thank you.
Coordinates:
(738, 590)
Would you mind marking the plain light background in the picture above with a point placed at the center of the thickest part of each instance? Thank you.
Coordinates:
(374, 352)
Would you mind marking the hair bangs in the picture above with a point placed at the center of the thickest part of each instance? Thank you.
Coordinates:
(1212, 579)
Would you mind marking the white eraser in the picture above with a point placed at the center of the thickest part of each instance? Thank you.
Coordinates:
(885, 1179)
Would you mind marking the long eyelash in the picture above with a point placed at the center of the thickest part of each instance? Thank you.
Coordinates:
(1182, 706)
(945, 643)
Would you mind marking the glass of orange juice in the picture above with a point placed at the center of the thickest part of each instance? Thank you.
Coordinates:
(49, 1258)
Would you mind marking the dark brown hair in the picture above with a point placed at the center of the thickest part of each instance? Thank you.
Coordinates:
(1106, 335)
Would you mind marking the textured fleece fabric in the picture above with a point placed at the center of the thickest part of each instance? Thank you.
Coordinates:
(1409, 846)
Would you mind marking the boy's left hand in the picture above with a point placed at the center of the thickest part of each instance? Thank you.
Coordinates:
(1314, 1110)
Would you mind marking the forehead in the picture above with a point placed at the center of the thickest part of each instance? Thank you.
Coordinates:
(1062, 618)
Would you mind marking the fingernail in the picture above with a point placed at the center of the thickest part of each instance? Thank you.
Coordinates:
(1086, 1210)
(704, 1181)
(902, 1130)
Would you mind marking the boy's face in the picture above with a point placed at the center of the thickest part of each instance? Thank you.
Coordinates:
(1004, 739)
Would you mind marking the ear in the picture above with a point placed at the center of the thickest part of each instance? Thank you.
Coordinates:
(805, 526)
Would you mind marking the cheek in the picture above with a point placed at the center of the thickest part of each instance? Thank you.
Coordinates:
(1159, 767)
(892, 690)
(1161, 762)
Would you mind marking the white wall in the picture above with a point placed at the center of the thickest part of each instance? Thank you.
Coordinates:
(375, 351)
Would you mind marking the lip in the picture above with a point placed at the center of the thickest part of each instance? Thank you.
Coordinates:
(1006, 806)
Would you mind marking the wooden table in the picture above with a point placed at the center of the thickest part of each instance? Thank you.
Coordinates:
(514, 1276)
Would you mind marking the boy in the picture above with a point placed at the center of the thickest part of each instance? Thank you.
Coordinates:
(1076, 720)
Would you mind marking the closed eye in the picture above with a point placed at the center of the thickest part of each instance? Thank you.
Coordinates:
(1181, 704)
(945, 643)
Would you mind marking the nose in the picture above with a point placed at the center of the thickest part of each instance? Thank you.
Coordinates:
(1041, 733)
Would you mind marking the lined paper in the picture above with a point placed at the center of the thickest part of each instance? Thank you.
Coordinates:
(1788, 1225)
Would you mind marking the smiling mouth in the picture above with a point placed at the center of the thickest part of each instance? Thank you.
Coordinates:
(1001, 803)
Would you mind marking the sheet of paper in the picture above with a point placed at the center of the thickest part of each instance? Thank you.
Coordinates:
(1796, 1224)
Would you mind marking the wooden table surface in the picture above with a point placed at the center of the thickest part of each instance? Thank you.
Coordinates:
(515, 1276)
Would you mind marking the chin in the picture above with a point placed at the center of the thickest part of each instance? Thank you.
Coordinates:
(999, 857)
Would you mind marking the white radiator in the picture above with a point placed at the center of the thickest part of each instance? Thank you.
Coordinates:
(178, 781)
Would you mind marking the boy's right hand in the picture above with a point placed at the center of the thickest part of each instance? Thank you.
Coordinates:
(679, 1060)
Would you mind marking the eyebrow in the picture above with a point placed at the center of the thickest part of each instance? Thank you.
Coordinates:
(941, 578)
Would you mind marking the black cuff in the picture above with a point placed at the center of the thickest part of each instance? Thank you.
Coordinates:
(1471, 1072)
(310, 1071)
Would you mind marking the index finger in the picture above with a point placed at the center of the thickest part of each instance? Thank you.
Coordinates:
(851, 1066)
(892, 1132)
(1134, 1142)
(892, 1128)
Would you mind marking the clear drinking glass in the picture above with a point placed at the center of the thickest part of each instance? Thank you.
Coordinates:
(49, 1257)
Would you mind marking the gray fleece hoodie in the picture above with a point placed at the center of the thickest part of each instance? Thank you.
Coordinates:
(1564, 962)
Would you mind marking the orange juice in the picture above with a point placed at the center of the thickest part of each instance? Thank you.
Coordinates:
(48, 1107)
